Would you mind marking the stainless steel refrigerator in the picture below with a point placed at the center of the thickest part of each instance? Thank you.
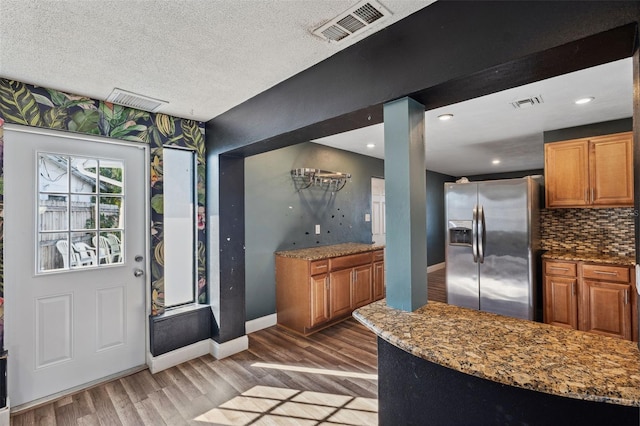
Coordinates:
(492, 245)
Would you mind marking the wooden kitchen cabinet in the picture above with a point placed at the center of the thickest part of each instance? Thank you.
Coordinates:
(362, 289)
(590, 172)
(590, 297)
(560, 294)
(340, 283)
(319, 299)
(314, 294)
(606, 301)
(378, 277)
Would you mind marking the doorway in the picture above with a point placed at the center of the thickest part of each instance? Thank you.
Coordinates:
(378, 218)
(75, 274)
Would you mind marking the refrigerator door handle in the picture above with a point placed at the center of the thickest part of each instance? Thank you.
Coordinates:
(474, 234)
(482, 234)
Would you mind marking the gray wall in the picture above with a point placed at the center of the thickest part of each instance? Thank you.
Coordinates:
(435, 216)
(278, 217)
(594, 129)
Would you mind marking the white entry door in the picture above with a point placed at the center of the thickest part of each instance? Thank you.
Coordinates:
(378, 220)
(75, 245)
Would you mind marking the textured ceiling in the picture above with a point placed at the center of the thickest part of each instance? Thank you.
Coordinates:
(206, 56)
(202, 56)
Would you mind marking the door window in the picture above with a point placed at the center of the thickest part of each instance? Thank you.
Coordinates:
(80, 212)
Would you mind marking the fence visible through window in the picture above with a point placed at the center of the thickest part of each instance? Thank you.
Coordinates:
(80, 212)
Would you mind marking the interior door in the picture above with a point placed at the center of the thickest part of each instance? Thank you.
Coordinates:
(75, 236)
(378, 219)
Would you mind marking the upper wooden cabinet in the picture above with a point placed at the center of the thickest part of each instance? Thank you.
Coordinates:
(590, 172)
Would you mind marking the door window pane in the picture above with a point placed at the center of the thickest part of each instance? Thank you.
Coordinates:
(54, 251)
(111, 173)
(83, 212)
(111, 214)
(53, 173)
(53, 212)
(83, 175)
(89, 227)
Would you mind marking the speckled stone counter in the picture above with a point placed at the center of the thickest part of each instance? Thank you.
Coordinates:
(513, 352)
(325, 252)
(590, 257)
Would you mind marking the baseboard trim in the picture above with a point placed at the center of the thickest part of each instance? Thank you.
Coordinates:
(5, 415)
(225, 349)
(261, 323)
(178, 356)
(436, 267)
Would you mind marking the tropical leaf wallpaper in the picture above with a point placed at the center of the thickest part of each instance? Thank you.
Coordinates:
(29, 105)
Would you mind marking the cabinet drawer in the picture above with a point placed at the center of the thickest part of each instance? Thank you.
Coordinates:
(350, 261)
(565, 269)
(319, 267)
(607, 273)
(378, 255)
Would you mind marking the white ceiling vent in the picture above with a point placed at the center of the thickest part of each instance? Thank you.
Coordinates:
(527, 102)
(133, 100)
(364, 15)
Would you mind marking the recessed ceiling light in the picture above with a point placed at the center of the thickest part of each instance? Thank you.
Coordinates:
(371, 145)
(445, 117)
(582, 101)
(496, 161)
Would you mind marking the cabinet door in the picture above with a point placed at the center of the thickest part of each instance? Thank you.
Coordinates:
(561, 301)
(340, 293)
(606, 309)
(319, 299)
(378, 280)
(566, 173)
(361, 286)
(611, 170)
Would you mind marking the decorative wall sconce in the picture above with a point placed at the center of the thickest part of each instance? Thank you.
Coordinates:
(329, 181)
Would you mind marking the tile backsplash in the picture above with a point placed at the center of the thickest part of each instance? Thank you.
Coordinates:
(606, 231)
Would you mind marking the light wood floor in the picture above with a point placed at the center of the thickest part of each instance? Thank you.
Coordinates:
(327, 378)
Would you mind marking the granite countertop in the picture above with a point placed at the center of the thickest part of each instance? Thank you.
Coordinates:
(325, 252)
(513, 352)
(590, 257)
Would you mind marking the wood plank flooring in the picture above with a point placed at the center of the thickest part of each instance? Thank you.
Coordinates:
(437, 286)
(327, 378)
(339, 386)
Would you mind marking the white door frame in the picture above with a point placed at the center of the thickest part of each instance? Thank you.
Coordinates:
(9, 287)
(382, 216)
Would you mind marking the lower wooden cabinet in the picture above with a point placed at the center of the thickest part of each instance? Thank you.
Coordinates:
(311, 295)
(591, 297)
(319, 303)
(561, 301)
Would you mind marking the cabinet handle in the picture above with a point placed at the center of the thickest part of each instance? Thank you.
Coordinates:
(558, 268)
(615, 273)
(326, 285)
(586, 195)
(626, 297)
(573, 288)
(320, 266)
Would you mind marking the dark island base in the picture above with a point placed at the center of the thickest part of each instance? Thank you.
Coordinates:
(413, 391)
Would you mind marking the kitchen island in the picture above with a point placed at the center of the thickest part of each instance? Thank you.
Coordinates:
(442, 364)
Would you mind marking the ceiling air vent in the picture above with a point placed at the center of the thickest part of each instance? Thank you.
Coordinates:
(366, 14)
(527, 102)
(133, 100)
